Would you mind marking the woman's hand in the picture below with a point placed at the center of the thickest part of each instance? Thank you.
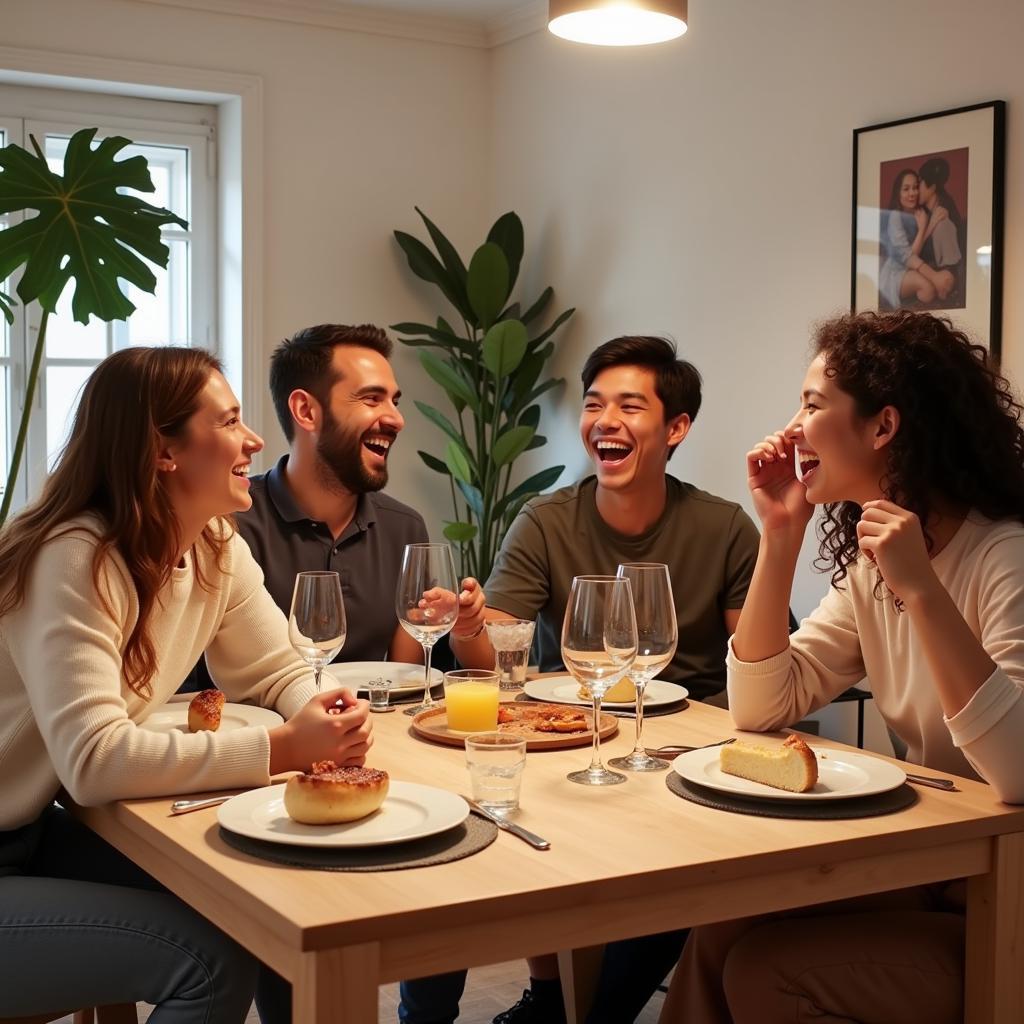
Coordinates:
(472, 602)
(332, 726)
(921, 216)
(779, 498)
(893, 539)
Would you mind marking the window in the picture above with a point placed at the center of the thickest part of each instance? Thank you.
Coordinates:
(177, 141)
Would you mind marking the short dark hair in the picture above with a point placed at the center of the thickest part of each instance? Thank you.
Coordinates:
(304, 361)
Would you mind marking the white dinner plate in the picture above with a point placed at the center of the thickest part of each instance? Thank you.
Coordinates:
(411, 811)
(173, 717)
(565, 690)
(406, 678)
(841, 775)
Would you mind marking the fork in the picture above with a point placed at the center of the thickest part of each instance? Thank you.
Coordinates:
(676, 749)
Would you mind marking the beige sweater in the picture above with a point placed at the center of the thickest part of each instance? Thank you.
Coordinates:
(853, 634)
(67, 718)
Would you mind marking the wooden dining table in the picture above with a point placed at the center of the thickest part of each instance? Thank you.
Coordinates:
(624, 861)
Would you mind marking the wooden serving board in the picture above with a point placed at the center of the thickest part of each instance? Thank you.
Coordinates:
(432, 724)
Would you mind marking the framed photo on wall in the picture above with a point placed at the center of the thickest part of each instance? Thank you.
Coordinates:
(928, 217)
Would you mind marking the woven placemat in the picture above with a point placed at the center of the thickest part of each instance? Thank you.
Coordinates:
(655, 712)
(855, 807)
(472, 836)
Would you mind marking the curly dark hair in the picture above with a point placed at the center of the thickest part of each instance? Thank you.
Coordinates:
(960, 442)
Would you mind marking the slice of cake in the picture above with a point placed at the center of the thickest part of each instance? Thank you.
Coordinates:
(622, 692)
(792, 766)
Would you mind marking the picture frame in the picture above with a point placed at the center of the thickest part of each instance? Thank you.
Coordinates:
(927, 215)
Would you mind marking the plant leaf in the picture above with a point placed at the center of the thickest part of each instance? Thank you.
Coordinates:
(487, 285)
(507, 234)
(459, 533)
(443, 339)
(530, 417)
(538, 307)
(442, 421)
(504, 347)
(449, 255)
(449, 379)
(434, 463)
(532, 485)
(426, 266)
(559, 320)
(539, 440)
(473, 497)
(86, 227)
(457, 463)
(5, 307)
(553, 382)
(511, 444)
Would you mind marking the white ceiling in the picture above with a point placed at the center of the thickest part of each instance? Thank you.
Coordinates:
(482, 11)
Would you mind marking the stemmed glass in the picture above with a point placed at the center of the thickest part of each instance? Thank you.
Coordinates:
(316, 623)
(427, 602)
(598, 646)
(657, 635)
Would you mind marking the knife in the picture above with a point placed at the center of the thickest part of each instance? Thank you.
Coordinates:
(526, 835)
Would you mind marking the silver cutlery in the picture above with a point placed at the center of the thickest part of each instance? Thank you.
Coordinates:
(927, 780)
(526, 835)
(672, 749)
(184, 806)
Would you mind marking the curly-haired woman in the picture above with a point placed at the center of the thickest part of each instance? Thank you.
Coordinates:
(913, 445)
(112, 584)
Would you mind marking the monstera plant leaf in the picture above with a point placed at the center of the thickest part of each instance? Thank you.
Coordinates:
(85, 226)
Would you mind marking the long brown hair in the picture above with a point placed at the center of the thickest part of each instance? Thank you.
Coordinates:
(134, 399)
(960, 440)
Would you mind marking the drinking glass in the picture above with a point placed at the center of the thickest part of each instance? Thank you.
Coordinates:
(471, 699)
(657, 636)
(316, 623)
(427, 568)
(380, 694)
(598, 646)
(511, 640)
(496, 761)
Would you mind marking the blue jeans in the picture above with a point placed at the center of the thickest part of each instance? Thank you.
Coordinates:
(433, 1000)
(81, 926)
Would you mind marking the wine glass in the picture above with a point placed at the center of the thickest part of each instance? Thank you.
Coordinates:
(427, 567)
(657, 636)
(598, 647)
(316, 623)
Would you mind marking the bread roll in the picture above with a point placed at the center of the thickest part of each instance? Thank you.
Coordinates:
(204, 711)
(792, 766)
(329, 795)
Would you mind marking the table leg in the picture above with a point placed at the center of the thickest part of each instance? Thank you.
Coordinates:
(579, 969)
(994, 984)
(337, 986)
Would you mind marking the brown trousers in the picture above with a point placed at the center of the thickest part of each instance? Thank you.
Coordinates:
(894, 958)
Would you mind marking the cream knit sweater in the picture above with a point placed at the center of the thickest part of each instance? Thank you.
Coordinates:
(68, 719)
(853, 634)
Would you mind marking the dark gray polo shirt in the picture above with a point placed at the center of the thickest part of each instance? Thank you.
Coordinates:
(367, 556)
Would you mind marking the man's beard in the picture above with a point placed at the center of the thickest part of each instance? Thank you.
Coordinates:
(340, 460)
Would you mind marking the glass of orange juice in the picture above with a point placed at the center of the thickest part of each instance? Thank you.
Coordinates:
(471, 699)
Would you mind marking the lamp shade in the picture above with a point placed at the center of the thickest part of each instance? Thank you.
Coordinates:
(617, 22)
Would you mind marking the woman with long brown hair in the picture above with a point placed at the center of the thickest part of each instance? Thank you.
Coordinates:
(912, 443)
(112, 584)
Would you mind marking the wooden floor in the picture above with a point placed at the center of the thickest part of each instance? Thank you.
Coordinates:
(488, 991)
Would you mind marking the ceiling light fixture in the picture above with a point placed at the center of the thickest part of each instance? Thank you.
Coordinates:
(617, 22)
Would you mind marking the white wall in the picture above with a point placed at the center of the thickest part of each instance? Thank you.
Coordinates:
(357, 129)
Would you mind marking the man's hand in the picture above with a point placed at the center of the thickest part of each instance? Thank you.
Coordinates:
(472, 602)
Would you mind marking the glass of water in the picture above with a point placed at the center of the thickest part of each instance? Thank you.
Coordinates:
(496, 761)
(380, 694)
(511, 640)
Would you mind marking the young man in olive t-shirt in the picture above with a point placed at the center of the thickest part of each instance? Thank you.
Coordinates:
(639, 403)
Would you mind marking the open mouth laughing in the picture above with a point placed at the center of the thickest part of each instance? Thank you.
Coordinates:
(242, 471)
(378, 444)
(806, 463)
(612, 451)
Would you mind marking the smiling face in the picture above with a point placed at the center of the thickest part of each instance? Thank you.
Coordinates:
(909, 192)
(360, 422)
(840, 455)
(205, 471)
(623, 428)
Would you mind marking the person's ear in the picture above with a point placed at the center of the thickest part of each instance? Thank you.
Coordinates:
(166, 460)
(305, 409)
(886, 426)
(678, 429)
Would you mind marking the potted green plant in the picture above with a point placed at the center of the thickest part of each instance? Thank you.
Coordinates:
(491, 372)
(87, 228)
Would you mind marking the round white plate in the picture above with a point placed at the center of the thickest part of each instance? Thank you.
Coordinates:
(173, 717)
(411, 811)
(565, 690)
(841, 775)
(404, 677)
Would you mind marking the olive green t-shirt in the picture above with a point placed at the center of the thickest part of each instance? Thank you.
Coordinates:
(709, 545)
